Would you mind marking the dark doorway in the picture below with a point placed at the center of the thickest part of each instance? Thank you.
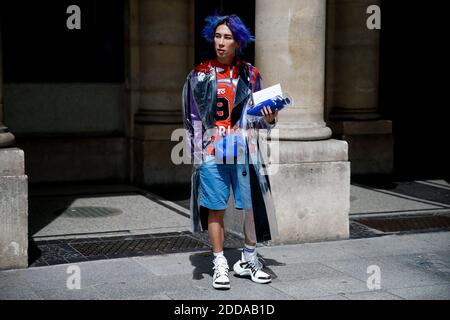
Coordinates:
(412, 91)
(203, 8)
(39, 47)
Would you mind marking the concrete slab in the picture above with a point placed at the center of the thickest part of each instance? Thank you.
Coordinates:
(439, 239)
(112, 271)
(436, 292)
(320, 287)
(372, 295)
(301, 271)
(185, 286)
(241, 289)
(365, 200)
(139, 287)
(388, 246)
(70, 294)
(327, 298)
(19, 295)
(152, 297)
(46, 278)
(139, 213)
(195, 263)
(433, 262)
(91, 273)
(394, 272)
(308, 252)
(13, 281)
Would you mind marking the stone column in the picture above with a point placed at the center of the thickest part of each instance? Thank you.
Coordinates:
(165, 54)
(311, 189)
(13, 197)
(293, 33)
(352, 87)
(6, 138)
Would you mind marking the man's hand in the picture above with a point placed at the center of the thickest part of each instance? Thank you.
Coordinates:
(269, 115)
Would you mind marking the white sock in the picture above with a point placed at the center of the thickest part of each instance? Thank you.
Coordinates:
(249, 252)
(218, 254)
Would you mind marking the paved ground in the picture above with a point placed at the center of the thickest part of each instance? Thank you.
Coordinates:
(126, 209)
(137, 211)
(414, 266)
(411, 266)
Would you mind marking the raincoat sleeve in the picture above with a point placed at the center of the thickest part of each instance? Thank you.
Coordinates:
(191, 120)
(259, 122)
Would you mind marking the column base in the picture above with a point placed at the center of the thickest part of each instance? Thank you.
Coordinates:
(303, 132)
(311, 192)
(6, 138)
(13, 209)
(371, 145)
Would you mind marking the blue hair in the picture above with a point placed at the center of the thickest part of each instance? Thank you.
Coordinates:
(241, 34)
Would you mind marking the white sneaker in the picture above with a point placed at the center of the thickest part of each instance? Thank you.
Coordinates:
(220, 277)
(251, 268)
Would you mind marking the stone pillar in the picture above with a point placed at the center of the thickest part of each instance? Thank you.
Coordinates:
(352, 87)
(13, 197)
(164, 47)
(6, 138)
(292, 33)
(311, 189)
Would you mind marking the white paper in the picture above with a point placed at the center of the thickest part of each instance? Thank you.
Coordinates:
(268, 93)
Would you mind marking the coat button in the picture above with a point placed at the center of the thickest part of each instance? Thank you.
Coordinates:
(244, 173)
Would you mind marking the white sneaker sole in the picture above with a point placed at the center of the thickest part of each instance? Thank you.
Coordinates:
(220, 286)
(241, 272)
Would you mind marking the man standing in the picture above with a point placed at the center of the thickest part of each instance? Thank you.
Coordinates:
(216, 97)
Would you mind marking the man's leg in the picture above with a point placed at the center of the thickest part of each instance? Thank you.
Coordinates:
(216, 229)
(216, 237)
(249, 228)
(242, 198)
(249, 249)
(249, 265)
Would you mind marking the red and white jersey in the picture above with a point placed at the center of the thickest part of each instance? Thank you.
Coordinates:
(227, 79)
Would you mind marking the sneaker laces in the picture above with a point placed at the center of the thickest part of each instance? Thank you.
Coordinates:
(255, 262)
(221, 266)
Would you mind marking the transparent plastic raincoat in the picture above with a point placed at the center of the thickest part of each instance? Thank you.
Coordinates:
(199, 108)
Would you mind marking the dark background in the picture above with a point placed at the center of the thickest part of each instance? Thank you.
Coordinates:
(38, 47)
(413, 93)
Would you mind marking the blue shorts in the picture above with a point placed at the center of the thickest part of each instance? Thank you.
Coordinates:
(215, 181)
